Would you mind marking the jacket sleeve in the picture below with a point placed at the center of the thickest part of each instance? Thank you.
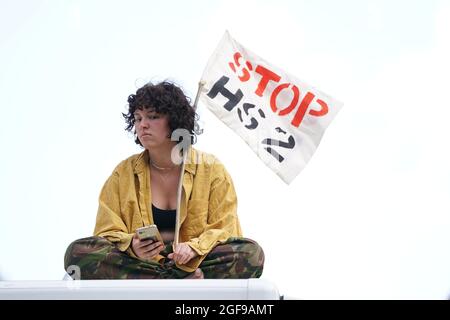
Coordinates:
(222, 221)
(109, 223)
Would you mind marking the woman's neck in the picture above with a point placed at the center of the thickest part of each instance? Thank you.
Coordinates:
(162, 157)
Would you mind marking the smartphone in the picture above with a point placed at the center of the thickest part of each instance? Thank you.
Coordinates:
(149, 232)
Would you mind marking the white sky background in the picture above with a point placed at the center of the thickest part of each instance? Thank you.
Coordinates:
(369, 216)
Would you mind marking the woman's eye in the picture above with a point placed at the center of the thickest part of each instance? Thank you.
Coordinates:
(151, 117)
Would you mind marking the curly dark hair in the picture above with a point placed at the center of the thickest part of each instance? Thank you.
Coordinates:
(165, 98)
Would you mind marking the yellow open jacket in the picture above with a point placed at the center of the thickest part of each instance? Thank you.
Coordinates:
(207, 209)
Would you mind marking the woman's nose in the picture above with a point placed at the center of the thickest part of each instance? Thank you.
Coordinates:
(144, 123)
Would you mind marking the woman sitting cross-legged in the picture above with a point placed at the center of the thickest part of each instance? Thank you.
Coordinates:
(142, 190)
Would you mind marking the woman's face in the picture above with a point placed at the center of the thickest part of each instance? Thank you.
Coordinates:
(152, 128)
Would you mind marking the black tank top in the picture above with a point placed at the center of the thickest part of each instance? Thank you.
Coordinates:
(164, 219)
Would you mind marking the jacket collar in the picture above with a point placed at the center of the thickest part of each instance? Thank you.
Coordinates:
(191, 161)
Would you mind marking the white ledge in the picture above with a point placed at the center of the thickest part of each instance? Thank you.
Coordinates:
(186, 289)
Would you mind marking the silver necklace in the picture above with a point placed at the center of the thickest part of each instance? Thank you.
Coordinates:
(161, 168)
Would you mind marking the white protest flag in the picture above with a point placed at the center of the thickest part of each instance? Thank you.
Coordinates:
(281, 118)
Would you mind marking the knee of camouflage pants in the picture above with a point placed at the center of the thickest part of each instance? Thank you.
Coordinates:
(254, 256)
(82, 248)
(237, 258)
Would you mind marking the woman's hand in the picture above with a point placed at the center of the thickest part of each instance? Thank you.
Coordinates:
(182, 253)
(146, 249)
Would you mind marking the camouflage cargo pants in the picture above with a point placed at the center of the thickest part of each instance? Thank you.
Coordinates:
(97, 258)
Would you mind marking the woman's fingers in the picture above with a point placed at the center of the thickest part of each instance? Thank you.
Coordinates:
(144, 243)
(186, 256)
(184, 259)
(185, 253)
(150, 250)
(178, 253)
(174, 256)
(182, 253)
(182, 256)
(180, 259)
(152, 247)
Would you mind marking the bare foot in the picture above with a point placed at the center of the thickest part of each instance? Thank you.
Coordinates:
(197, 274)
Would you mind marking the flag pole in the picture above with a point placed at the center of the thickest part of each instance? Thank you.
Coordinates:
(179, 192)
(201, 84)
